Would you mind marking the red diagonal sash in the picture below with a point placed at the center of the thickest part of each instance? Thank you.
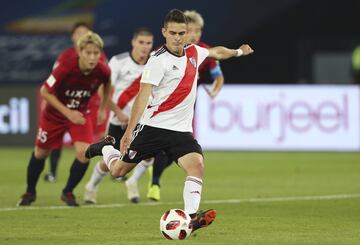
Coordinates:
(185, 85)
(129, 93)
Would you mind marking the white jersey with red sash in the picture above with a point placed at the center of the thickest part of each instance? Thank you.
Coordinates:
(174, 92)
(125, 77)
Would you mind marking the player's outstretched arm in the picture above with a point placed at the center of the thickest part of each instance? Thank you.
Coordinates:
(223, 53)
(137, 110)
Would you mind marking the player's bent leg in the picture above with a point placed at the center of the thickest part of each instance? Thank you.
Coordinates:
(117, 167)
(120, 168)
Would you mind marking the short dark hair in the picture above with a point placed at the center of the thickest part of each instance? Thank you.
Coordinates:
(79, 24)
(142, 31)
(176, 16)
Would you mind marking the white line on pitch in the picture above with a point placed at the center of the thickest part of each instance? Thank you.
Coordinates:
(226, 201)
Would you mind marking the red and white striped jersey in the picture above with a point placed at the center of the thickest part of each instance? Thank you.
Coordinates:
(125, 77)
(174, 91)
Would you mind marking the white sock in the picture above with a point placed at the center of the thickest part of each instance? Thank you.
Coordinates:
(192, 194)
(109, 155)
(139, 171)
(96, 177)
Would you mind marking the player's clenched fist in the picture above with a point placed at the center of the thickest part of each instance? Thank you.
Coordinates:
(246, 49)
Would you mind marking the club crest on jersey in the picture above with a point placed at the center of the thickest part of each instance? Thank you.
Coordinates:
(132, 154)
(192, 61)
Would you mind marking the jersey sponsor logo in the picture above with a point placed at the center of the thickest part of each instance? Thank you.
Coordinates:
(78, 93)
(51, 81)
(76, 97)
(132, 154)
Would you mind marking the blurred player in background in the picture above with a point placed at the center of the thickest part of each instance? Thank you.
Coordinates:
(67, 92)
(164, 121)
(78, 30)
(126, 69)
(209, 69)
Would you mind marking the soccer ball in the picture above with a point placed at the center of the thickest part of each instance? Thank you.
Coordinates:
(175, 224)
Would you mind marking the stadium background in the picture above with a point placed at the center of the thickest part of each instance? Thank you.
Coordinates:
(302, 62)
(288, 34)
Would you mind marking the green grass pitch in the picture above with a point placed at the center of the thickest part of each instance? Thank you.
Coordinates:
(261, 198)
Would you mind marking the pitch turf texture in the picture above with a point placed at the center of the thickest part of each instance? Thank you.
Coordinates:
(261, 198)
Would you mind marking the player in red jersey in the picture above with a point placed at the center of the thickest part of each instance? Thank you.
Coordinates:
(79, 29)
(67, 92)
(209, 69)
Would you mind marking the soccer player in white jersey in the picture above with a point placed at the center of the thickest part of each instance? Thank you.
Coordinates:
(126, 69)
(164, 122)
(208, 70)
